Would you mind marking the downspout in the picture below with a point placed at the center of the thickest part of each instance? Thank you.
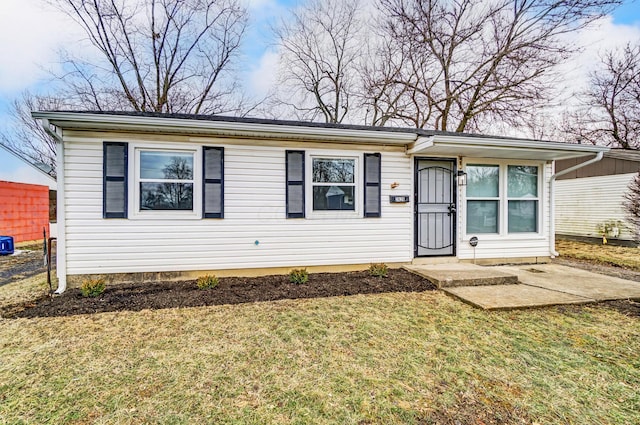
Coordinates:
(61, 262)
(552, 213)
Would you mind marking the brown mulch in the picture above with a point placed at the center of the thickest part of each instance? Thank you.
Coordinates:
(230, 290)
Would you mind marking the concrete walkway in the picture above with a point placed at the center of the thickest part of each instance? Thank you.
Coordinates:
(545, 285)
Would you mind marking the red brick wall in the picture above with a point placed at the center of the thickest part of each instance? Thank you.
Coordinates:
(24, 210)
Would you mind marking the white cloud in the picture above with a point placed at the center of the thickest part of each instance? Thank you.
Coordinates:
(599, 37)
(31, 33)
(263, 77)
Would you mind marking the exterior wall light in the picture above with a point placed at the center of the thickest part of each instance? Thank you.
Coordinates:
(462, 178)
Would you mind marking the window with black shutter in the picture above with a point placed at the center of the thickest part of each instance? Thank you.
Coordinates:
(114, 196)
(372, 196)
(295, 184)
(213, 182)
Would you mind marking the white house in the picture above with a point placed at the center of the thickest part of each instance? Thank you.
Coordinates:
(143, 193)
(14, 168)
(591, 197)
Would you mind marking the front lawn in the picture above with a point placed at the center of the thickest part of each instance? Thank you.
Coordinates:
(620, 256)
(381, 358)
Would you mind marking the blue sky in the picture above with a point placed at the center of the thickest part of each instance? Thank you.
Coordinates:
(31, 34)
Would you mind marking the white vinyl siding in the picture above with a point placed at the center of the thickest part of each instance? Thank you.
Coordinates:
(582, 204)
(255, 210)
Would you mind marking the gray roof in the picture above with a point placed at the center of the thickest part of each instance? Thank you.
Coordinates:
(252, 120)
(624, 154)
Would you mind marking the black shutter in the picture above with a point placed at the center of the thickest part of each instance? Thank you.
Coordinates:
(114, 181)
(295, 184)
(372, 195)
(212, 182)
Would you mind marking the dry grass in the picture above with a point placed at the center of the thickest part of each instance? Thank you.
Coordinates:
(392, 358)
(25, 290)
(604, 254)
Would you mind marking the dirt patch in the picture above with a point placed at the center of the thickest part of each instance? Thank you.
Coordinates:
(231, 290)
(25, 263)
(627, 307)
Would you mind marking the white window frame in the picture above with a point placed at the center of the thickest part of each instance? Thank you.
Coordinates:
(358, 184)
(134, 182)
(509, 198)
(503, 200)
(500, 217)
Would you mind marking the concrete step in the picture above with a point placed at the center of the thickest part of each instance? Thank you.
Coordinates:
(462, 274)
(422, 261)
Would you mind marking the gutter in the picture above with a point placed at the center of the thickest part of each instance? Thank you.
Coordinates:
(71, 120)
(552, 213)
(46, 125)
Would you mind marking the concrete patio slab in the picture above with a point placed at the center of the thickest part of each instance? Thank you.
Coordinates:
(574, 281)
(506, 297)
(462, 274)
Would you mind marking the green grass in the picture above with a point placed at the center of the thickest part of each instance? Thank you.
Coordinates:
(391, 358)
(626, 257)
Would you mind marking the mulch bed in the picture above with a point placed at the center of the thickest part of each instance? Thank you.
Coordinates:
(231, 290)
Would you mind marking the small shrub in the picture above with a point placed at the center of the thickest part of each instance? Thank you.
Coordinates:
(92, 287)
(378, 270)
(207, 281)
(298, 276)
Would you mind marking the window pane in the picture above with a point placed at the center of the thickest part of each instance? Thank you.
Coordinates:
(166, 196)
(482, 181)
(482, 216)
(523, 216)
(328, 170)
(166, 165)
(522, 182)
(333, 198)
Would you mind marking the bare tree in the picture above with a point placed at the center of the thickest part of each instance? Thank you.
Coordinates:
(161, 55)
(382, 98)
(320, 48)
(468, 62)
(610, 109)
(631, 205)
(26, 135)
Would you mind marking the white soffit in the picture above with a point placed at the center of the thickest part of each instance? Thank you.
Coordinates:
(486, 147)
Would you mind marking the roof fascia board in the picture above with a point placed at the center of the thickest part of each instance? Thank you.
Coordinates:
(456, 141)
(71, 120)
(26, 161)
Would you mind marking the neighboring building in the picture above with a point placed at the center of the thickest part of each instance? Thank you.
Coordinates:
(591, 197)
(25, 191)
(187, 194)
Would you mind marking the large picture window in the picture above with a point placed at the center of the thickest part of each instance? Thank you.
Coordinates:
(166, 180)
(334, 184)
(502, 198)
